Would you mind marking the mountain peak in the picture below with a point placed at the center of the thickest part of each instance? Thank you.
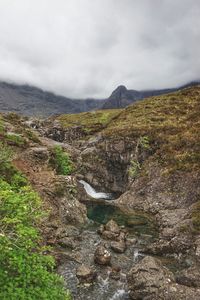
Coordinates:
(119, 90)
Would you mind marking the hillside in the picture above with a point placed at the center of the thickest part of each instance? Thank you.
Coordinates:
(32, 101)
(122, 97)
(145, 157)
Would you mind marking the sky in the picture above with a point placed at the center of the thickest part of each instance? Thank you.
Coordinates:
(86, 48)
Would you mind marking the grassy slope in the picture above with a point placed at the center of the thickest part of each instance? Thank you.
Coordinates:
(171, 122)
(25, 273)
(90, 121)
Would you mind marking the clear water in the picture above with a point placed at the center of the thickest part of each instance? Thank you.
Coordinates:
(137, 223)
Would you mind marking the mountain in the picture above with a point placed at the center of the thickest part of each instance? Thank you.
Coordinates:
(122, 97)
(29, 100)
(32, 101)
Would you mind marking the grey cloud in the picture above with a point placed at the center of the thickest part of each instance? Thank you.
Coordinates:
(85, 48)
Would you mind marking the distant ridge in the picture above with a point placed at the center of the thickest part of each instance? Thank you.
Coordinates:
(122, 97)
(32, 101)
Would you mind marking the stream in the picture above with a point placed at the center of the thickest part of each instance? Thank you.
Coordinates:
(141, 231)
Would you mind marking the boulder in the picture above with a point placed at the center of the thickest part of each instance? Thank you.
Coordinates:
(102, 256)
(112, 226)
(109, 235)
(149, 280)
(85, 274)
(118, 247)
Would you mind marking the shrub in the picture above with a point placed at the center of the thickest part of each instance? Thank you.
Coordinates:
(134, 168)
(61, 161)
(25, 272)
(6, 154)
(144, 142)
(15, 139)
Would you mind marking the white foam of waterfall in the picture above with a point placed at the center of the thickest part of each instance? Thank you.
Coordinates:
(92, 193)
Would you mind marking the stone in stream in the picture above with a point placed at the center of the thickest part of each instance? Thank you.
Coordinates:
(85, 274)
(118, 247)
(111, 231)
(109, 235)
(102, 256)
(112, 226)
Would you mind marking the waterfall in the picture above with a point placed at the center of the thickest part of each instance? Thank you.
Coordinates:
(92, 193)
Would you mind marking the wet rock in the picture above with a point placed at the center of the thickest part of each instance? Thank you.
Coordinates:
(102, 256)
(101, 229)
(189, 277)
(85, 274)
(118, 247)
(71, 210)
(148, 278)
(112, 226)
(109, 235)
(115, 272)
(122, 236)
(179, 243)
(68, 242)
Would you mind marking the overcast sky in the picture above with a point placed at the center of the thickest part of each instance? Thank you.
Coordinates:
(86, 48)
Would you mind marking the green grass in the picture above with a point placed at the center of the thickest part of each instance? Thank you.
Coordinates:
(90, 122)
(15, 139)
(25, 271)
(60, 161)
(172, 124)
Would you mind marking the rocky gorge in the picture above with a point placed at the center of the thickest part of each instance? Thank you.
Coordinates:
(125, 223)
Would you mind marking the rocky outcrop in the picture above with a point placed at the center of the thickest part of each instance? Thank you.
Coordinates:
(150, 280)
(70, 209)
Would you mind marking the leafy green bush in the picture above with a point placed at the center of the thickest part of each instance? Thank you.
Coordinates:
(61, 162)
(25, 272)
(134, 168)
(6, 153)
